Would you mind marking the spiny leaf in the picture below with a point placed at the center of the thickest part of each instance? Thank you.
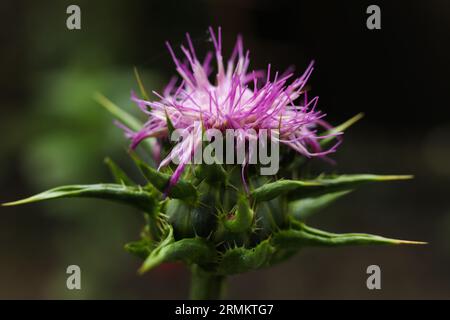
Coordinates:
(124, 117)
(331, 184)
(240, 259)
(156, 223)
(298, 189)
(140, 248)
(134, 196)
(269, 218)
(170, 125)
(183, 190)
(304, 208)
(121, 115)
(340, 128)
(213, 174)
(119, 175)
(272, 190)
(242, 219)
(155, 257)
(140, 84)
(189, 251)
(306, 236)
(297, 161)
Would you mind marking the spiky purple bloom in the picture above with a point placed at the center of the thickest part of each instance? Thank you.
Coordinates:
(239, 99)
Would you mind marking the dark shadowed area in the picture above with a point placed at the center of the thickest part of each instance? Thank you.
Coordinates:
(54, 133)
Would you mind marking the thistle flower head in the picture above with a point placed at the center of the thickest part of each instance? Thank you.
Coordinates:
(237, 99)
(203, 219)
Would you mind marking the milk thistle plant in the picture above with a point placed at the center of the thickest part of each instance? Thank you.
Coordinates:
(212, 204)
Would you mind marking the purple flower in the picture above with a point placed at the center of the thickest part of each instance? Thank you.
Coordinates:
(238, 99)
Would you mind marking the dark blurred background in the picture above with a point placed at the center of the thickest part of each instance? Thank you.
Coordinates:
(53, 133)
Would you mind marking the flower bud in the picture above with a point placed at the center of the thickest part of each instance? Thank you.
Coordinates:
(189, 220)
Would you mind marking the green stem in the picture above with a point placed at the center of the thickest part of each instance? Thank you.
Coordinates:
(205, 285)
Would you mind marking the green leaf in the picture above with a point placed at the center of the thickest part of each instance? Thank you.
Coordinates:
(183, 190)
(340, 128)
(189, 250)
(272, 190)
(305, 236)
(124, 117)
(140, 84)
(156, 222)
(270, 216)
(298, 189)
(306, 207)
(170, 125)
(120, 114)
(293, 166)
(141, 248)
(331, 184)
(240, 259)
(134, 196)
(214, 174)
(242, 219)
(119, 175)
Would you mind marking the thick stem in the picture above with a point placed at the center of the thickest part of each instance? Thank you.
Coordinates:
(205, 285)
